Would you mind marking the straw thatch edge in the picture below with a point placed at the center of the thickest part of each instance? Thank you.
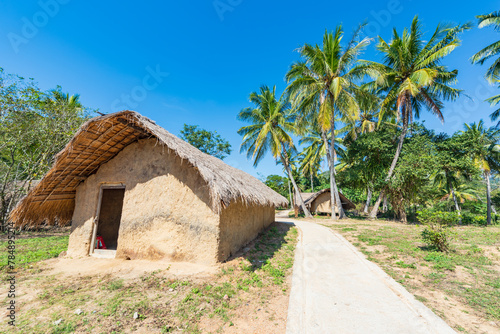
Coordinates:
(226, 184)
(344, 200)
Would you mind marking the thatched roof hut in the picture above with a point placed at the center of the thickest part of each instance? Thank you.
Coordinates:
(127, 150)
(305, 197)
(320, 202)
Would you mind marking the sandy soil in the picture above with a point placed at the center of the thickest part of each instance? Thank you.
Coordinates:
(60, 285)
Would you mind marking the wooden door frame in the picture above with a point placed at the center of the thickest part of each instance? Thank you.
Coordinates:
(95, 222)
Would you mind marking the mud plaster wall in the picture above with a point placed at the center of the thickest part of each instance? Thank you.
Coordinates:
(166, 211)
(240, 224)
(323, 203)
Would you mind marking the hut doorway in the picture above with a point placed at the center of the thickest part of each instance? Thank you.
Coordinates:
(107, 221)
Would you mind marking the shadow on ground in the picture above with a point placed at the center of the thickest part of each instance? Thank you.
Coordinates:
(263, 248)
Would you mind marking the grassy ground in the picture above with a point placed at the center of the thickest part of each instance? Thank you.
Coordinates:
(32, 250)
(249, 294)
(463, 286)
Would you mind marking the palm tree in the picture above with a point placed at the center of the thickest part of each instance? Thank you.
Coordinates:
(369, 105)
(413, 77)
(461, 190)
(272, 121)
(322, 87)
(484, 149)
(492, 50)
(56, 96)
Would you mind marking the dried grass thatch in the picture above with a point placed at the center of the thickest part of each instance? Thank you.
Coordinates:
(102, 138)
(346, 203)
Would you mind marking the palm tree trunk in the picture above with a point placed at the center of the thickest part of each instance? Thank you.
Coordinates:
(335, 198)
(373, 213)
(457, 207)
(334, 191)
(488, 197)
(290, 192)
(284, 160)
(368, 199)
(312, 185)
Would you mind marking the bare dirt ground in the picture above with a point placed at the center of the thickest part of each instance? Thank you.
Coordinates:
(247, 294)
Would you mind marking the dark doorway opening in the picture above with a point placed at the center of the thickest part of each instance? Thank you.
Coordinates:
(110, 214)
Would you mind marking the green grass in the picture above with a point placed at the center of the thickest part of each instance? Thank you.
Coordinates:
(405, 257)
(33, 250)
(168, 304)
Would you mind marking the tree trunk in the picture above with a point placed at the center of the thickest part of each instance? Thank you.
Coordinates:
(457, 207)
(290, 193)
(312, 185)
(384, 205)
(284, 160)
(488, 197)
(368, 199)
(373, 213)
(335, 198)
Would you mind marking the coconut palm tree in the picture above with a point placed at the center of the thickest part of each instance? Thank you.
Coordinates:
(483, 145)
(56, 96)
(315, 150)
(492, 50)
(369, 105)
(455, 189)
(413, 78)
(322, 87)
(272, 121)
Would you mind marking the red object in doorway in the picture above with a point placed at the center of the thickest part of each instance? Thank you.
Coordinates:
(99, 243)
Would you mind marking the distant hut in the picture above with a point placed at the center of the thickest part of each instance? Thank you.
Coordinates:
(320, 202)
(147, 194)
(305, 197)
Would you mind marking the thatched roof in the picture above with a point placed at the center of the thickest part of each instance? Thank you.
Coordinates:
(100, 140)
(346, 203)
(305, 197)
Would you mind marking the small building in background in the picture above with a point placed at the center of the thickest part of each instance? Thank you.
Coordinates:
(320, 202)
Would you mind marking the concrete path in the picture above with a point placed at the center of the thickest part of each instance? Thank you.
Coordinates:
(336, 290)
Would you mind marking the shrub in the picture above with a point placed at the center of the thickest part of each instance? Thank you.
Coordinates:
(469, 218)
(436, 231)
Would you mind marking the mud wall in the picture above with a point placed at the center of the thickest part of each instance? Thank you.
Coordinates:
(241, 223)
(166, 212)
(323, 203)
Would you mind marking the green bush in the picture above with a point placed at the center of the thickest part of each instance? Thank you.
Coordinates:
(469, 218)
(437, 238)
(436, 232)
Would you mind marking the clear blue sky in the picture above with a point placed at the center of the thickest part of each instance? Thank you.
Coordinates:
(215, 53)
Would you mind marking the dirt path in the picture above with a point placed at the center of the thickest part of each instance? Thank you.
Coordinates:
(336, 290)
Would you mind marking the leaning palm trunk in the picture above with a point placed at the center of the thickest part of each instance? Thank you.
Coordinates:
(368, 199)
(488, 197)
(295, 188)
(373, 213)
(290, 192)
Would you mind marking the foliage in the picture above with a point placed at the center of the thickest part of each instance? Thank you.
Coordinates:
(34, 126)
(436, 231)
(278, 183)
(486, 54)
(206, 141)
(322, 86)
(272, 121)
(469, 218)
